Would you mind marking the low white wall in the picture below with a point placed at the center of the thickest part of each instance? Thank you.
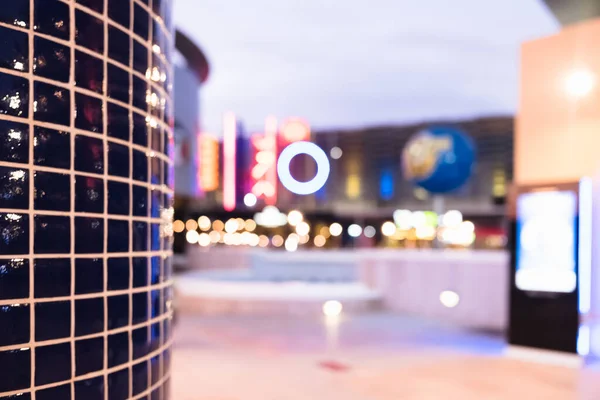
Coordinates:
(409, 281)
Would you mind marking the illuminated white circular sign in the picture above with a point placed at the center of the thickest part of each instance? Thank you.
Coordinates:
(285, 176)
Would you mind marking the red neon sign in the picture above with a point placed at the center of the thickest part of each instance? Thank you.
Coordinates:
(229, 161)
(264, 170)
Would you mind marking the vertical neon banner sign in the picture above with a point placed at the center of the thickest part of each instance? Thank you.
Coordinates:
(229, 160)
(271, 137)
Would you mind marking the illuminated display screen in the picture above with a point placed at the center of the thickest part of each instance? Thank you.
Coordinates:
(547, 242)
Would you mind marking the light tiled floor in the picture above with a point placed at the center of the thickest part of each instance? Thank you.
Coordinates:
(377, 357)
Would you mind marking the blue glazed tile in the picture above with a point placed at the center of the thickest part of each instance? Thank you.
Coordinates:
(118, 84)
(118, 160)
(118, 198)
(14, 49)
(96, 5)
(139, 374)
(89, 356)
(140, 342)
(14, 142)
(15, 233)
(89, 316)
(52, 235)
(52, 104)
(140, 166)
(167, 390)
(157, 140)
(140, 87)
(155, 370)
(90, 389)
(140, 57)
(118, 349)
(89, 154)
(52, 277)
(155, 241)
(118, 385)
(52, 18)
(89, 72)
(89, 235)
(14, 188)
(52, 191)
(167, 268)
(155, 306)
(155, 270)
(51, 60)
(15, 370)
(156, 197)
(141, 21)
(167, 326)
(89, 275)
(156, 170)
(118, 122)
(89, 194)
(14, 320)
(52, 148)
(15, 13)
(52, 363)
(140, 271)
(140, 130)
(52, 320)
(140, 236)
(140, 308)
(56, 393)
(120, 12)
(118, 236)
(89, 113)
(118, 45)
(118, 311)
(18, 396)
(155, 337)
(140, 201)
(89, 31)
(118, 273)
(15, 100)
(14, 278)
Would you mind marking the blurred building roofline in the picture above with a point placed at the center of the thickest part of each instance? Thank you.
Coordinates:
(573, 11)
(196, 59)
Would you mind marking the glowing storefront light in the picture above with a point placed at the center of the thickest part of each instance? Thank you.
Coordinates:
(264, 169)
(336, 153)
(270, 217)
(285, 176)
(178, 226)
(295, 217)
(336, 229)
(250, 200)
(229, 161)
(580, 83)
(204, 223)
(208, 163)
(388, 229)
(354, 230)
(370, 231)
(295, 130)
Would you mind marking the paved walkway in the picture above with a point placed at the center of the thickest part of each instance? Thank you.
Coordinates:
(378, 357)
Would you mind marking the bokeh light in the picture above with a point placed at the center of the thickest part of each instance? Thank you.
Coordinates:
(178, 226)
(204, 223)
(336, 229)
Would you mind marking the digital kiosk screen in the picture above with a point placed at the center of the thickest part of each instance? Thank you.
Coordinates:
(546, 248)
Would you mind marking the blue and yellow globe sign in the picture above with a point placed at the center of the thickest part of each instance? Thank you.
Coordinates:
(439, 159)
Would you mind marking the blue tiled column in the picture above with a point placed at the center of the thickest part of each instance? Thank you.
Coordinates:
(85, 199)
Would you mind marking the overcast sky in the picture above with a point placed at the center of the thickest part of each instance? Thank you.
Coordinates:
(352, 63)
